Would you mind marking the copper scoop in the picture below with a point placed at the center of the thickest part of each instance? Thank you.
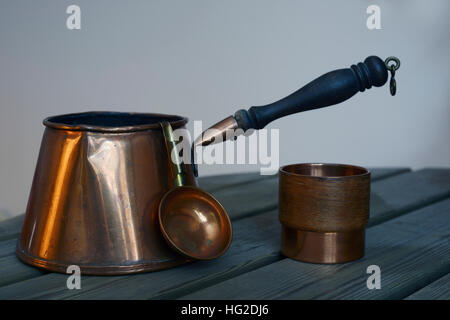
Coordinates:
(192, 221)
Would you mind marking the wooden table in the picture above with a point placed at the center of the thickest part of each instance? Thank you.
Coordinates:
(407, 237)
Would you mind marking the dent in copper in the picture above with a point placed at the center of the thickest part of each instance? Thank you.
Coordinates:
(95, 195)
(323, 209)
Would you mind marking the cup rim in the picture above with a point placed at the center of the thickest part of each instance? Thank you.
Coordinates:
(283, 170)
(57, 121)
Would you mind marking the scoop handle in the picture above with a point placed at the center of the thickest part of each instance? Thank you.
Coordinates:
(329, 89)
(177, 168)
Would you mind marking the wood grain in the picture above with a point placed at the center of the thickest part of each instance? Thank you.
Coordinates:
(176, 284)
(218, 182)
(11, 228)
(257, 244)
(250, 255)
(12, 270)
(412, 251)
(406, 192)
(6, 246)
(437, 290)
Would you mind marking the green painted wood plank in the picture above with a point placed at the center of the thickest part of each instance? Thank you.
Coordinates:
(217, 182)
(411, 250)
(383, 173)
(7, 247)
(406, 192)
(13, 271)
(437, 290)
(257, 245)
(177, 282)
(11, 228)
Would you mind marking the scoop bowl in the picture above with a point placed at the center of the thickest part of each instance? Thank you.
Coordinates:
(194, 223)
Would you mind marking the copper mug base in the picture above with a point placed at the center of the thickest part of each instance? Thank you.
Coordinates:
(324, 209)
(322, 247)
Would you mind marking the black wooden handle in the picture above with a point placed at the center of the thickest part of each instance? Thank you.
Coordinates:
(329, 89)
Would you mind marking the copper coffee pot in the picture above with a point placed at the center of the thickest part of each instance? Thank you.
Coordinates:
(100, 177)
(95, 194)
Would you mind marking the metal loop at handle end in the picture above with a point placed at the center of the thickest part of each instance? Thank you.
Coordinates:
(396, 65)
(392, 68)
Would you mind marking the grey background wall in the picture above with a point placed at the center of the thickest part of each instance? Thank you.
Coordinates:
(205, 59)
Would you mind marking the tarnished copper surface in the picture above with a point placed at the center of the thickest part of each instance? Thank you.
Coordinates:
(217, 133)
(192, 221)
(95, 195)
(323, 209)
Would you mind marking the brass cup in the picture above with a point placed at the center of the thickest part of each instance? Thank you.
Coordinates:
(323, 209)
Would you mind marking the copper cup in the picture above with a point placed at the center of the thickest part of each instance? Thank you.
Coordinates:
(96, 190)
(323, 209)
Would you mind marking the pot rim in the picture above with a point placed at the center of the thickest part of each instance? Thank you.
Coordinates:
(56, 123)
(283, 170)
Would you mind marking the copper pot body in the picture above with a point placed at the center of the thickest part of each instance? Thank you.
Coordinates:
(95, 195)
(323, 209)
